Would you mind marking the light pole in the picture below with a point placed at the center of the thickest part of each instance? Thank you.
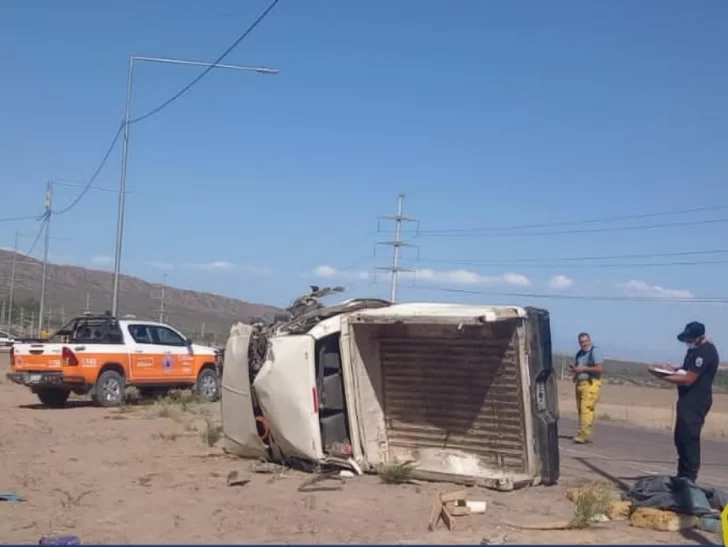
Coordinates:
(125, 153)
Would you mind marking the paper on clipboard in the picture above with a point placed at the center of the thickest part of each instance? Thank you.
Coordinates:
(663, 371)
(667, 371)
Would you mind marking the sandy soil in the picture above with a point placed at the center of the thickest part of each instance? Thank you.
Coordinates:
(645, 406)
(146, 474)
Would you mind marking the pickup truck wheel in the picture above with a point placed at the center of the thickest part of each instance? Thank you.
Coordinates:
(208, 385)
(53, 397)
(109, 389)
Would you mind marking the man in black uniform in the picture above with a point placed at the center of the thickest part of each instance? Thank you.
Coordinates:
(694, 383)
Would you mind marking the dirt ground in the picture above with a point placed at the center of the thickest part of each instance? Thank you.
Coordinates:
(146, 474)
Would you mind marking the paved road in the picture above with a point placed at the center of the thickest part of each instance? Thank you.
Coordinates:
(623, 453)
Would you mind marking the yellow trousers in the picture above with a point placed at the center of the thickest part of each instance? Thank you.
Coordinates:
(587, 396)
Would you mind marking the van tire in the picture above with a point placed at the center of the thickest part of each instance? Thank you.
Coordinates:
(53, 397)
(207, 386)
(109, 389)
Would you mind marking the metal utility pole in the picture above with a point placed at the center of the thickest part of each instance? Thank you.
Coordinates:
(397, 245)
(2, 313)
(202, 332)
(22, 321)
(88, 303)
(48, 201)
(12, 281)
(125, 152)
(161, 304)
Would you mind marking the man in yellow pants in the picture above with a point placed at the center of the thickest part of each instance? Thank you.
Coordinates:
(587, 371)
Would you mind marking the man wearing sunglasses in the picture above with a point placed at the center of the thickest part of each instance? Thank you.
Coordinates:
(694, 383)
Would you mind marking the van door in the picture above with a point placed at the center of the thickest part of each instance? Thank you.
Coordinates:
(286, 391)
(238, 420)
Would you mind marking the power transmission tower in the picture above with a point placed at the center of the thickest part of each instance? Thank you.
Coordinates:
(202, 332)
(87, 309)
(22, 321)
(2, 313)
(47, 215)
(397, 245)
(12, 281)
(161, 303)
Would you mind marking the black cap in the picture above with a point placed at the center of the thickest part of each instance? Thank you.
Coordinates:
(693, 331)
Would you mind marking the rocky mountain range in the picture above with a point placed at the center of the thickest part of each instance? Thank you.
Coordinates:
(202, 316)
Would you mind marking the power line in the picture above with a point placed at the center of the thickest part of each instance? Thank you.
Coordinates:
(204, 73)
(18, 219)
(574, 265)
(163, 106)
(36, 239)
(569, 232)
(615, 257)
(695, 300)
(94, 176)
(580, 222)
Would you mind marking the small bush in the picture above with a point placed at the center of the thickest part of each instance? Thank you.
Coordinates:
(211, 434)
(590, 501)
(396, 473)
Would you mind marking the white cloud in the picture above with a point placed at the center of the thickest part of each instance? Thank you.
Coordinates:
(641, 288)
(329, 272)
(467, 277)
(215, 266)
(102, 260)
(450, 277)
(157, 265)
(561, 282)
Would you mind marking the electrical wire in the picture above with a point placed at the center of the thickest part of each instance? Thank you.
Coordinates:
(575, 265)
(695, 300)
(614, 257)
(37, 236)
(94, 176)
(445, 233)
(578, 222)
(18, 219)
(163, 106)
(204, 73)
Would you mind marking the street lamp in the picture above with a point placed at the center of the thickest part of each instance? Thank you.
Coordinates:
(125, 154)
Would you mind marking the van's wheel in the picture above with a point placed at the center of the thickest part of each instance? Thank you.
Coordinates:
(53, 397)
(109, 389)
(208, 385)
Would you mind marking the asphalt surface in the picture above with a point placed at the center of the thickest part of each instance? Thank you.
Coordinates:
(623, 453)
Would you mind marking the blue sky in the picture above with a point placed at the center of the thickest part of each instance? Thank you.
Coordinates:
(486, 114)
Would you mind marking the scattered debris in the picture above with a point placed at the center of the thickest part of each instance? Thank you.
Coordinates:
(233, 479)
(307, 485)
(661, 520)
(59, 540)
(11, 497)
(498, 539)
(619, 510)
(453, 504)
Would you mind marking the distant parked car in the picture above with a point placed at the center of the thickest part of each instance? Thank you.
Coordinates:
(6, 339)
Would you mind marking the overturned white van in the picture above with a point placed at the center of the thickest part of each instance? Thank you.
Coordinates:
(467, 392)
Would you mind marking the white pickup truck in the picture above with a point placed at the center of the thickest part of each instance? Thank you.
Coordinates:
(100, 355)
(466, 391)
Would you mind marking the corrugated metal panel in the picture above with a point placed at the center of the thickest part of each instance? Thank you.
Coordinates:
(455, 390)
